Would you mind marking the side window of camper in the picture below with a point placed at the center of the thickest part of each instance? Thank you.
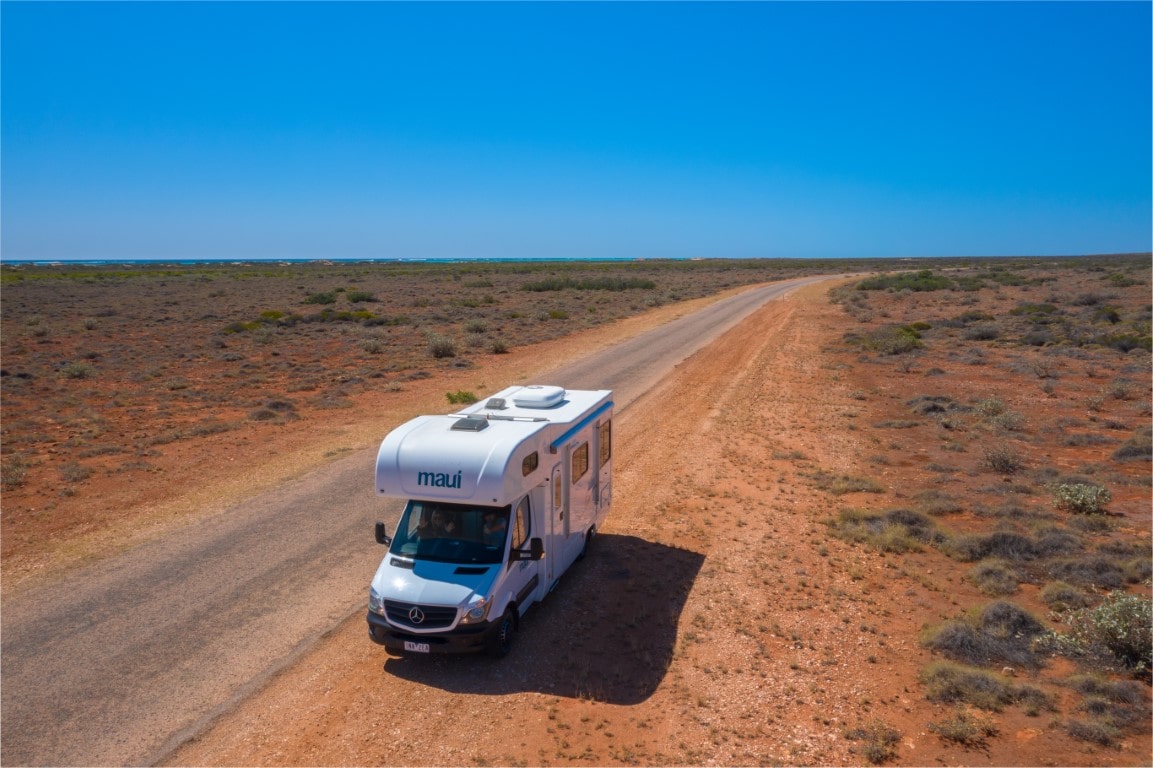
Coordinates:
(580, 462)
(529, 465)
(520, 525)
(606, 443)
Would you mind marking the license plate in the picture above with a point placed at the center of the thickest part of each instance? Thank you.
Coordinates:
(415, 647)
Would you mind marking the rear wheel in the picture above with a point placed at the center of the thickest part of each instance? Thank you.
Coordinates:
(587, 542)
(501, 642)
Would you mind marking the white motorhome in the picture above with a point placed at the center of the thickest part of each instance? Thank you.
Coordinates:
(502, 497)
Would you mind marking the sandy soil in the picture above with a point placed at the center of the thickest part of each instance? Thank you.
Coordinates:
(718, 621)
(720, 618)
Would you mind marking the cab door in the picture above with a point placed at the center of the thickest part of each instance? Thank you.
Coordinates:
(524, 576)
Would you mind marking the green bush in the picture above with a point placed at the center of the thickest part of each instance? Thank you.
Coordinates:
(589, 284)
(361, 296)
(322, 298)
(1081, 498)
(461, 397)
(1115, 634)
(893, 340)
(923, 280)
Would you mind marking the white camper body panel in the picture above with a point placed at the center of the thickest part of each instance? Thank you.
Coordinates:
(540, 454)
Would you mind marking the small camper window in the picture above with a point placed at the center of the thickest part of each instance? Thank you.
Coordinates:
(580, 462)
(520, 525)
(529, 465)
(606, 443)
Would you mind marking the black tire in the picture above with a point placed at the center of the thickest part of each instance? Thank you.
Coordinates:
(587, 543)
(501, 642)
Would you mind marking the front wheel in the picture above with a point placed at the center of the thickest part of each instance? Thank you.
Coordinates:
(501, 642)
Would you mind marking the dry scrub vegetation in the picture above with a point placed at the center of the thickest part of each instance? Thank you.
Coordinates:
(914, 526)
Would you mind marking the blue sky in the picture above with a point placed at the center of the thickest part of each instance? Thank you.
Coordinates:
(557, 130)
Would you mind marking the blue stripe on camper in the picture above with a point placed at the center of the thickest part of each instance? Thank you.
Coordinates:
(579, 426)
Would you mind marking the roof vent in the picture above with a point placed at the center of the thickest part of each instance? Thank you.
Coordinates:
(496, 404)
(537, 396)
(469, 424)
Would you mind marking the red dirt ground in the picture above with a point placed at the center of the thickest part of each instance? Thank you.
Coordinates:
(720, 620)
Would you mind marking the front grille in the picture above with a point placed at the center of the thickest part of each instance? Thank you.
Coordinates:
(435, 616)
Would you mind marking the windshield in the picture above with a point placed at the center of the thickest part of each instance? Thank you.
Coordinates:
(451, 533)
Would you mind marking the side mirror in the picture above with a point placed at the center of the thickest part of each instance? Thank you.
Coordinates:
(535, 551)
(381, 536)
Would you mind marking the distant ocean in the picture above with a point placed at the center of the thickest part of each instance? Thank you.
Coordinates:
(235, 262)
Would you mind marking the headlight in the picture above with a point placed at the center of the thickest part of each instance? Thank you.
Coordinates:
(375, 601)
(475, 612)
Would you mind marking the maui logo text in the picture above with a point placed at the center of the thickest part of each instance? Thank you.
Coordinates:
(438, 479)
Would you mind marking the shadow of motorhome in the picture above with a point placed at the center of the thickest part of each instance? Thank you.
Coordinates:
(607, 633)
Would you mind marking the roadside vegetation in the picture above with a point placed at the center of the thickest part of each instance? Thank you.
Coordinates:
(1040, 485)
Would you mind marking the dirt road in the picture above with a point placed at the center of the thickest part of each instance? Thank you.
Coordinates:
(120, 662)
(673, 643)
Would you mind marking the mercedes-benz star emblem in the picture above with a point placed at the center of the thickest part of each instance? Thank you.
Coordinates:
(416, 616)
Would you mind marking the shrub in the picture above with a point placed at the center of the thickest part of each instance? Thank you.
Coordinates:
(880, 741)
(955, 684)
(1062, 596)
(589, 284)
(893, 340)
(1118, 691)
(1115, 634)
(965, 729)
(1008, 545)
(73, 472)
(986, 332)
(361, 296)
(78, 371)
(994, 577)
(461, 397)
(13, 471)
(1001, 633)
(896, 531)
(1081, 498)
(923, 280)
(441, 346)
(499, 347)
(989, 407)
(1139, 446)
(1027, 308)
(1096, 571)
(321, 298)
(842, 484)
(924, 405)
(1002, 458)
